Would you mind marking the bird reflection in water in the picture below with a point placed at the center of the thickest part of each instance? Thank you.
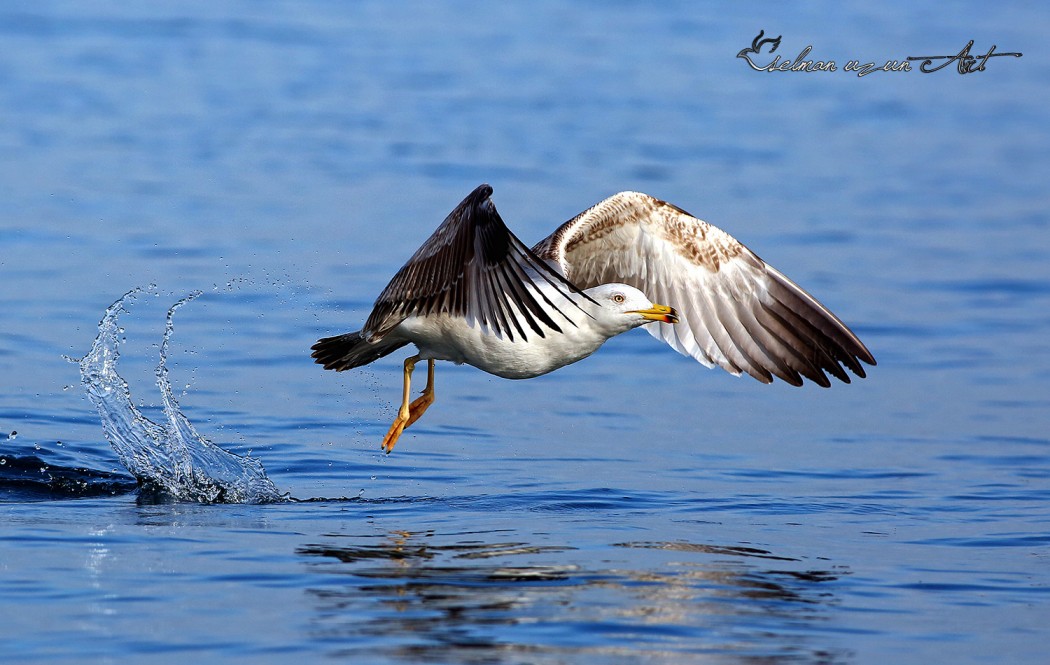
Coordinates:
(474, 597)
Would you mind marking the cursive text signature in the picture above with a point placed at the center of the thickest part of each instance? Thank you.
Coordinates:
(759, 61)
(967, 64)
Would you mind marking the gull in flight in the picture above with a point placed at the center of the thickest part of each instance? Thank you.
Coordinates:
(475, 294)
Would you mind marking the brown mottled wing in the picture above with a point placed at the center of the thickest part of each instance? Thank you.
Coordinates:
(735, 311)
(474, 267)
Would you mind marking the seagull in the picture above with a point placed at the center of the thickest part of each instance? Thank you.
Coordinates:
(475, 294)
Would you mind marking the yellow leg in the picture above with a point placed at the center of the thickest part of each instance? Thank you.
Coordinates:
(410, 413)
(423, 402)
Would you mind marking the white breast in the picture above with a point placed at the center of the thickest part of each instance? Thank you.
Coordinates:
(444, 337)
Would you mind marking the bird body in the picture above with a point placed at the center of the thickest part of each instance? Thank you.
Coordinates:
(473, 293)
(446, 337)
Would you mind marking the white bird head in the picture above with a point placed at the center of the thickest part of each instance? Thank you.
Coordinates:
(624, 307)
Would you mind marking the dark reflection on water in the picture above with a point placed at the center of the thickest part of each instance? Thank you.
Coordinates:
(483, 597)
(707, 549)
(32, 478)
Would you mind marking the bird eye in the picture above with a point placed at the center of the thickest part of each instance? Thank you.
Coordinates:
(619, 298)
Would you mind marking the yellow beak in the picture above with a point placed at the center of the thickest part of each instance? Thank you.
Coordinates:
(658, 313)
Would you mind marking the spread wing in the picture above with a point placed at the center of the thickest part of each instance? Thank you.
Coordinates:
(473, 267)
(735, 311)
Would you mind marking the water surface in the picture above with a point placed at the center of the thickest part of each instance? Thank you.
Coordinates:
(284, 159)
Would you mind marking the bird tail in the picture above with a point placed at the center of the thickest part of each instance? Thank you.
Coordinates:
(351, 350)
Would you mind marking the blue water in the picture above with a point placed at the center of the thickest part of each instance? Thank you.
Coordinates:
(285, 158)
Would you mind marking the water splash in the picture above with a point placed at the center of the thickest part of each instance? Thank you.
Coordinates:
(170, 457)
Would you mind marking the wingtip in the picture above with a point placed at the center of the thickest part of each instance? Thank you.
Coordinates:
(481, 192)
(479, 199)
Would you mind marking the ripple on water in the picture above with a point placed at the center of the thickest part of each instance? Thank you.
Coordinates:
(31, 478)
(488, 593)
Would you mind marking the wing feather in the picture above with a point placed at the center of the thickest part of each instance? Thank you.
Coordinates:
(473, 267)
(764, 342)
(735, 310)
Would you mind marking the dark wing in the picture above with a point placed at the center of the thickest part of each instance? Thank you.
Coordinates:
(473, 267)
(735, 311)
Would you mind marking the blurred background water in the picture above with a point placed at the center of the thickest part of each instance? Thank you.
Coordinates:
(285, 158)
